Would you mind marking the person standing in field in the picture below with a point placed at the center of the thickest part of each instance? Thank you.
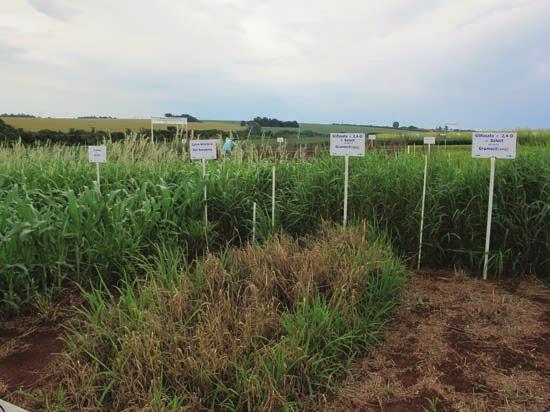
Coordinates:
(228, 146)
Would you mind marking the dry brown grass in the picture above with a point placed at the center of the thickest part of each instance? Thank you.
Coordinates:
(261, 328)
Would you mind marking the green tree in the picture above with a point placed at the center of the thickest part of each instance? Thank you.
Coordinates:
(255, 129)
(396, 125)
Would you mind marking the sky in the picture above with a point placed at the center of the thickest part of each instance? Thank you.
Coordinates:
(477, 63)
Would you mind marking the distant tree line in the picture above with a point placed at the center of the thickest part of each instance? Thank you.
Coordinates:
(96, 117)
(190, 119)
(268, 122)
(10, 134)
(16, 115)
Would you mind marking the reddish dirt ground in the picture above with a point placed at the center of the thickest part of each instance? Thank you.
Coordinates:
(29, 344)
(25, 354)
(459, 344)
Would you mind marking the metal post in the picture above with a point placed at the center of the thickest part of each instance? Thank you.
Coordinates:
(205, 195)
(273, 198)
(346, 180)
(98, 179)
(489, 218)
(254, 223)
(422, 210)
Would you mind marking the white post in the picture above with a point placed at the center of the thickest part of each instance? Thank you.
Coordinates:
(408, 149)
(346, 179)
(429, 149)
(489, 218)
(422, 210)
(205, 196)
(273, 198)
(254, 223)
(97, 173)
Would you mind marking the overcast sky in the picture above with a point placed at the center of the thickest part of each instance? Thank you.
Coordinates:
(479, 63)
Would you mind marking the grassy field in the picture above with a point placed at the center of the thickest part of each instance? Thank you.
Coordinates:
(113, 125)
(177, 313)
(57, 227)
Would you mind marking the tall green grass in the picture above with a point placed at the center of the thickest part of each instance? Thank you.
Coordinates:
(56, 227)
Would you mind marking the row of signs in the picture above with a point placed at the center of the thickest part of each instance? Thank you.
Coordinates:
(200, 149)
(353, 144)
(484, 145)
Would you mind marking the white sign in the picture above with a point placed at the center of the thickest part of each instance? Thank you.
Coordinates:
(203, 149)
(497, 145)
(372, 137)
(169, 120)
(8, 407)
(429, 140)
(280, 140)
(347, 144)
(97, 154)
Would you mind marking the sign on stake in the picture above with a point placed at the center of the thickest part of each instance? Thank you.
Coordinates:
(372, 138)
(167, 121)
(204, 150)
(97, 155)
(493, 146)
(429, 141)
(347, 144)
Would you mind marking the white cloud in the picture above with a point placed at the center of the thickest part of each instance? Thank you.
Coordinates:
(141, 55)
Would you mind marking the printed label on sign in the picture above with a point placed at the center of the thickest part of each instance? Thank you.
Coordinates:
(429, 140)
(169, 120)
(498, 145)
(347, 144)
(372, 137)
(203, 149)
(97, 154)
(280, 140)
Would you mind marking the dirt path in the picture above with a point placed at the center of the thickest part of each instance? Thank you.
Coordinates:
(459, 344)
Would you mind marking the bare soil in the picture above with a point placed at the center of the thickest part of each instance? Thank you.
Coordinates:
(25, 356)
(458, 344)
(29, 344)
